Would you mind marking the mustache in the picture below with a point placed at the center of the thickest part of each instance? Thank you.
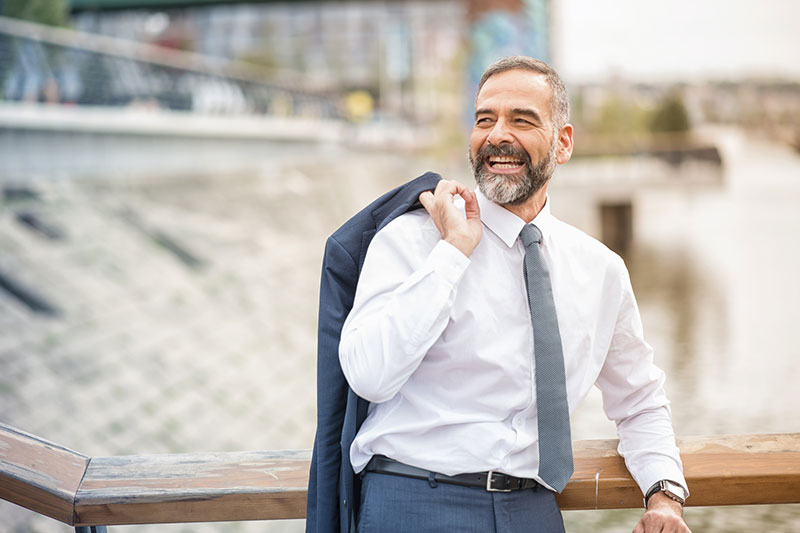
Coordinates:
(504, 150)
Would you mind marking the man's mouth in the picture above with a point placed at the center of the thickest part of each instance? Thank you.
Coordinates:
(501, 163)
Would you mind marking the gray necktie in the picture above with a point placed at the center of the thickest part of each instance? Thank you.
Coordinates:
(555, 443)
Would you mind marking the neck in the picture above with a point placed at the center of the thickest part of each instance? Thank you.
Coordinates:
(528, 210)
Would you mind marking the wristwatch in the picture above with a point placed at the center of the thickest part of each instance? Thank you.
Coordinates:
(673, 490)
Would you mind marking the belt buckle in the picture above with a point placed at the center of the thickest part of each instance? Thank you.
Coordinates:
(490, 483)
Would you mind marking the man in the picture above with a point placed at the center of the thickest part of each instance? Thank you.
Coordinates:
(461, 310)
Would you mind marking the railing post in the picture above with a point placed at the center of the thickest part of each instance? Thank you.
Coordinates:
(91, 529)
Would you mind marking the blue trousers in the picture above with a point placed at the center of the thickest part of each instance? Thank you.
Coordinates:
(396, 504)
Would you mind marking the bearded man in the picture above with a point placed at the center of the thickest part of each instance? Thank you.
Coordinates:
(480, 322)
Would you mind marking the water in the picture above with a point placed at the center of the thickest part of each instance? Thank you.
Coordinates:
(151, 355)
(715, 274)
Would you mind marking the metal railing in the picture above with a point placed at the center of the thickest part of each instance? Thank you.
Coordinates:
(58, 65)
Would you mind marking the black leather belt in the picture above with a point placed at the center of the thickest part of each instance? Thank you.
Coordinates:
(490, 481)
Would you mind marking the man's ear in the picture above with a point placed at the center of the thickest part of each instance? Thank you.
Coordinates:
(565, 144)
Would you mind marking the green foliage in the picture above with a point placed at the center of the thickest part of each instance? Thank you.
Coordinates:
(670, 116)
(50, 12)
(620, 117)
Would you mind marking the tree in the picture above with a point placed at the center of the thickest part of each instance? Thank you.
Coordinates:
(50, 12)
(620, 117)
(670, 116)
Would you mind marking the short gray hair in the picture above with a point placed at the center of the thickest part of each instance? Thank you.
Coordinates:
(559, 105)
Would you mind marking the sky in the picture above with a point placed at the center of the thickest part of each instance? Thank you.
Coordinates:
(657, 40)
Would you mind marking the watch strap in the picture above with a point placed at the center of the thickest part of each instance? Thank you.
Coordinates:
(663, 486)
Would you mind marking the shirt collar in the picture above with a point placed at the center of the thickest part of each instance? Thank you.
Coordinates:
(506, 224)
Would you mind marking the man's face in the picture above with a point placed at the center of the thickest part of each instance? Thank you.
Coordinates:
(513, 146)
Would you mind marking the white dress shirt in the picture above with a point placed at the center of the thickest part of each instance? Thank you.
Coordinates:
(442, 347)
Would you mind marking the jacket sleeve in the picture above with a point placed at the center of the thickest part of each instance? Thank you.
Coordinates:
(339, 273)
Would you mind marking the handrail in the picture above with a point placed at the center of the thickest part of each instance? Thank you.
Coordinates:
(266, 485)
(60, 65)
(159, 55)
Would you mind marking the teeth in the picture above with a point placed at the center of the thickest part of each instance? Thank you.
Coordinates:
(505, 160)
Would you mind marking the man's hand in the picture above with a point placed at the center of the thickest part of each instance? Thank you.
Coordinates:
(463, 233)
(663, 515)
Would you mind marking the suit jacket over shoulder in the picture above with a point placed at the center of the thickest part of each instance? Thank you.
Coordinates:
(333, 488)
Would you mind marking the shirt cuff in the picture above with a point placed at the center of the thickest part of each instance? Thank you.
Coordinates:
(448, 262)
(656, 472)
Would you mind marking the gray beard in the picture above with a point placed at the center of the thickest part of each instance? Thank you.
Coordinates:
(511, 189)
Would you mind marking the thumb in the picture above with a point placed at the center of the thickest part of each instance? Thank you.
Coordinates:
(471, 207)
(426, 199)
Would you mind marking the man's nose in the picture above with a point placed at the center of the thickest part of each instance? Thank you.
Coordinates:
(500, 134)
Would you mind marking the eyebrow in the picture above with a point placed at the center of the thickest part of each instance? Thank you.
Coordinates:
(516, 111)
(528, 113)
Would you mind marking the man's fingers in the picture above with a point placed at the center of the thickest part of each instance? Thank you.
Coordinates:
(445, 192)
(450, 187)
(661, 521)
(426, 199)
(471, 207)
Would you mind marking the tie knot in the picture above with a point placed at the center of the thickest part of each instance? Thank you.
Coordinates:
(530, 234)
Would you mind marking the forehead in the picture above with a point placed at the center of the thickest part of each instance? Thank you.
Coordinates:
(516, 89)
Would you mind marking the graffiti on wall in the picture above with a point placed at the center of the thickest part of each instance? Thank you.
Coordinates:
(497, 33)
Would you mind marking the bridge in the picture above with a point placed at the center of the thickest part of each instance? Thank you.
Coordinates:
(98, 104)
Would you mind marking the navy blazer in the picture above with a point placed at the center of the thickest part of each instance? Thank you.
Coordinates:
(333, 489)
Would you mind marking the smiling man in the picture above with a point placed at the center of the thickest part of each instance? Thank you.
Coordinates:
(480, 323)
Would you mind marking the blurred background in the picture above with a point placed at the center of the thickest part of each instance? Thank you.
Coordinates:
(170, 170)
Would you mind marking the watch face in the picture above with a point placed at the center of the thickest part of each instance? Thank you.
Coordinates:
(674, 490)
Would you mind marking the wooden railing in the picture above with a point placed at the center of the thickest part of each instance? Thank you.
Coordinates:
(207, 487)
